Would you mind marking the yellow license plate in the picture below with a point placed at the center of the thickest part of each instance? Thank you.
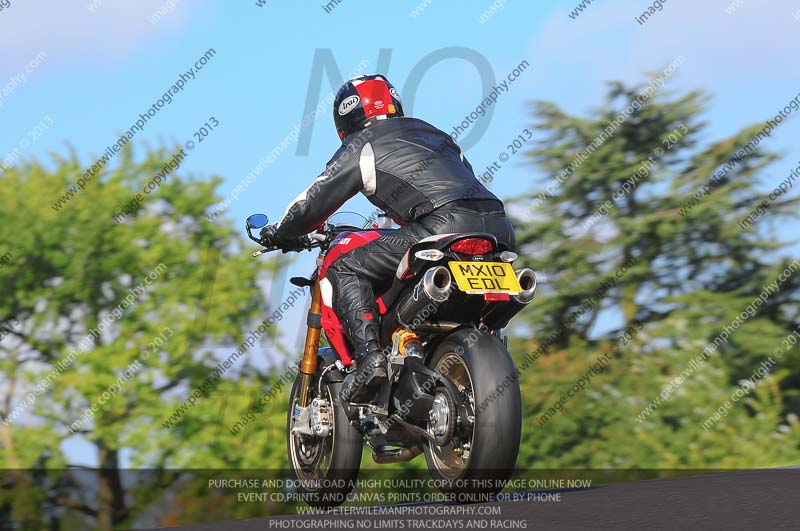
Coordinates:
(485, 277)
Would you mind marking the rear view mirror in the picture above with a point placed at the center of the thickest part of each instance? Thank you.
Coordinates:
(256, 221)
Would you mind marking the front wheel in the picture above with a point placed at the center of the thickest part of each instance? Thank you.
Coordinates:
(325, 466)
(481, 452)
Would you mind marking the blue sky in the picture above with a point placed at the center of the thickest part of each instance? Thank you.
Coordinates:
(105, 66)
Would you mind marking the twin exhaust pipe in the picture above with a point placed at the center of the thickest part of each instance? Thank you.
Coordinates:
(527, 280)
(436, 283)
(428, 295)
(435, 288)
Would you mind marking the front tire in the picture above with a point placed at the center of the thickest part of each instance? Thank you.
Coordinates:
(326, 468)
(477, 462)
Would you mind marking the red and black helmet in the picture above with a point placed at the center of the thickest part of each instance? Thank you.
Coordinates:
(362, 100)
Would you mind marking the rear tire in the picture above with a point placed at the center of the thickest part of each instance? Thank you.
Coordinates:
(326, 468)
(476, 463)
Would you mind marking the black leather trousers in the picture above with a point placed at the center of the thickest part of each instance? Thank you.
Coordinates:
(357, 275)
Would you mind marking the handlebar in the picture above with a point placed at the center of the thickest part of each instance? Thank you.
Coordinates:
(303, 243)
(300, 244)
(321, 238)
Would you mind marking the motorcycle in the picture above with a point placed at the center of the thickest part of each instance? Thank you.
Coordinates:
(451, 391)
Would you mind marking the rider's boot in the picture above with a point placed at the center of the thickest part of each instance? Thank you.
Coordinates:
(371, 362)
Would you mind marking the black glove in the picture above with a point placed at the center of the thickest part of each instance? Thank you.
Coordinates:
(269, 238)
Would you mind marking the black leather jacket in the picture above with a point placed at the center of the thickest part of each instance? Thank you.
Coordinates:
(405, 166)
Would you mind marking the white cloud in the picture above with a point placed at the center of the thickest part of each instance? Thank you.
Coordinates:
(749, 46)
(67, 29)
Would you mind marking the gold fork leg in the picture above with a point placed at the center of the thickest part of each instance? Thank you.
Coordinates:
(308, 365)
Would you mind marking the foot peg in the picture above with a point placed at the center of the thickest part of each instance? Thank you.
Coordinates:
(366, 379)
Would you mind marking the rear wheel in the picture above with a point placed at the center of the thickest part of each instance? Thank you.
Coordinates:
(325, 467)
(480, 452)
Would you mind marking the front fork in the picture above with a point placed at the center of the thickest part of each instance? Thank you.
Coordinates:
(308, 365)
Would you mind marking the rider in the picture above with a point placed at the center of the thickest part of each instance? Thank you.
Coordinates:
(416, 174)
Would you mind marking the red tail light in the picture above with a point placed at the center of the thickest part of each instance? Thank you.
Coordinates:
(472, 246)
(495, 297)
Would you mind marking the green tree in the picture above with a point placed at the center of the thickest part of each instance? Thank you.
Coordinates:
(613, 254)
(75, 269)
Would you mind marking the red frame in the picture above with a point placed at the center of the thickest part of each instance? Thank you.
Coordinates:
(334, 331)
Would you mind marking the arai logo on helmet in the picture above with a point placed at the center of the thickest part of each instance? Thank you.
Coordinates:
(348, 105)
